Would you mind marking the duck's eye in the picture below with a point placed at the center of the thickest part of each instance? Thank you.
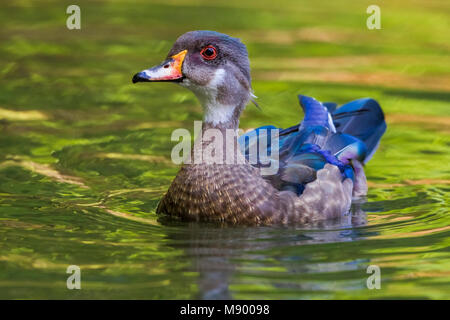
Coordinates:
(209, 52)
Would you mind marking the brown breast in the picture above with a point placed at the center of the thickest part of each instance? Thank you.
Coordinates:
(239, 194)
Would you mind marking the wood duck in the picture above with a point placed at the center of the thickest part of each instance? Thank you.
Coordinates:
(320, 159)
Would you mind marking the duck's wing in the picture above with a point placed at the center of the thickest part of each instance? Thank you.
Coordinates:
(326, 135)
(362, 119)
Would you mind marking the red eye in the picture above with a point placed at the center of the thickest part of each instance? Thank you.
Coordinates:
(209, 53)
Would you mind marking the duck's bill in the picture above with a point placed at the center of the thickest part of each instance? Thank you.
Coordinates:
(169, 70)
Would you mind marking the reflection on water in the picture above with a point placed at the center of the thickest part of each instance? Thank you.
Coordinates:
(85, 155)
(216, 251)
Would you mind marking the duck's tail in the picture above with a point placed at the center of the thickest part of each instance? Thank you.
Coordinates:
(362, 119)
(354, 129)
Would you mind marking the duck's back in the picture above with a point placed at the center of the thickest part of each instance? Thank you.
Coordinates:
(344, 137)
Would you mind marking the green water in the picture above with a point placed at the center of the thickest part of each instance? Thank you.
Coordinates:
(85, 155)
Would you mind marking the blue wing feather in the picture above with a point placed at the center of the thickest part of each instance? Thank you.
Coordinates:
(326, 135)
(331, 106)
(362, 119)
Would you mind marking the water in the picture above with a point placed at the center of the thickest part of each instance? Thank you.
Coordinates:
(85, 155)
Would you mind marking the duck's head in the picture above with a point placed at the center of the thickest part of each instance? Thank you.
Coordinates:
(215, 67)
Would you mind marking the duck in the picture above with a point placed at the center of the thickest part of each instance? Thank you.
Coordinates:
(320, 160)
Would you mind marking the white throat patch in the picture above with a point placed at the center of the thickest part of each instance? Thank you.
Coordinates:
(218, 113)
(214, 111)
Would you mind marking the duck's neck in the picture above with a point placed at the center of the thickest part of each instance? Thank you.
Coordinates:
(217, 143)
(223, 98)
(222, 107)
(221, 116)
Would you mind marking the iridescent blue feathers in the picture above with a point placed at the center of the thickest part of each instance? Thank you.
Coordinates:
(327, 134)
